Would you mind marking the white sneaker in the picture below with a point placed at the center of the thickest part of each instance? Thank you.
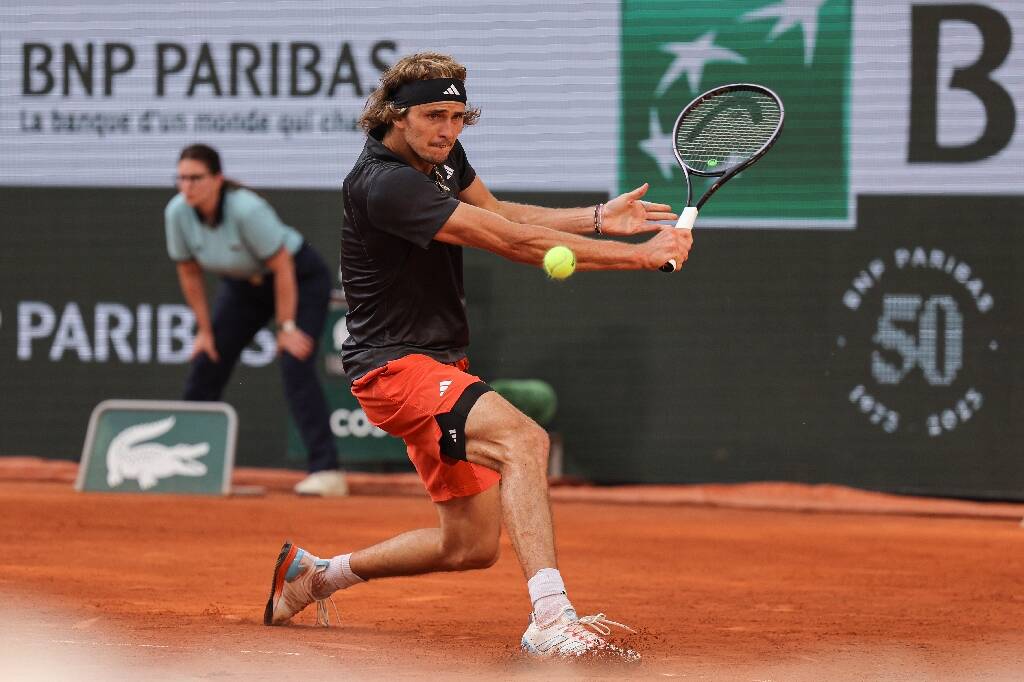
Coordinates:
(572, 636)
(297, 583)
(327, 483)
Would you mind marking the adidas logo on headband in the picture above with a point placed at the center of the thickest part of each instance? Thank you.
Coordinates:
(429, 90)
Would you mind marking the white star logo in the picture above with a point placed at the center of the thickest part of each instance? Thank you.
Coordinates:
(690, 59)
(789, 13)
(658, 146)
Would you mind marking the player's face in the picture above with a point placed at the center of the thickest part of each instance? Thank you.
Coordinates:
(199, 186)
(431, 130)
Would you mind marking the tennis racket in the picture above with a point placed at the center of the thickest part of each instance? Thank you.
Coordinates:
(721, 133)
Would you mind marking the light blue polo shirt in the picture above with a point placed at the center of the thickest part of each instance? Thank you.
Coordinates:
(248, 235)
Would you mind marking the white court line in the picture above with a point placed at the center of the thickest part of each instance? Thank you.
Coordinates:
(160, 646)
(95, 643)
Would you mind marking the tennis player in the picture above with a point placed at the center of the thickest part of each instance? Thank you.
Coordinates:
(412, 201)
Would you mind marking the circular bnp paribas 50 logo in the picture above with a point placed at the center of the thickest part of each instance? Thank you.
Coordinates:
(919, 333)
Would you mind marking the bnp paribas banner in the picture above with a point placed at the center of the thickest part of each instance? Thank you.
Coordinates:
(881, 98)
(106, 92)
(900, 97)
(673, 51)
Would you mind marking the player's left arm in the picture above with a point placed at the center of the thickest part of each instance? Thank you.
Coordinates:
(624, 215)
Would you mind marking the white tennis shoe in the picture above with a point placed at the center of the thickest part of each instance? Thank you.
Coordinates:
(298, 582)
(570, 636)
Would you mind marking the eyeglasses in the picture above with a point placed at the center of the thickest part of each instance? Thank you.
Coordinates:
(188, 179)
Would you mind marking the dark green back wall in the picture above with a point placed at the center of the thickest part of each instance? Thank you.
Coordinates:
(739, 368)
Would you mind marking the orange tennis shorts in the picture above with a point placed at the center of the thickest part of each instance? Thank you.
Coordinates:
(425, 403)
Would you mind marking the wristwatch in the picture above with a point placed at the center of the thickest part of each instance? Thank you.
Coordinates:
(288, 326)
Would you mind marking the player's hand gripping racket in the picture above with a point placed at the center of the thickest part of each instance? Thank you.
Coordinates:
(721, 133)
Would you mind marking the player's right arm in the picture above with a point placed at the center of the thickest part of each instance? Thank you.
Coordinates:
(190, 277)
(479, 228)
(623, 215)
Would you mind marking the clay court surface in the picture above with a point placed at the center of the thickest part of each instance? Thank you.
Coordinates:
(126, 586)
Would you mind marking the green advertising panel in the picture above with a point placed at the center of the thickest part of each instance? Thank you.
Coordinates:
(673, 51)
(159, 446)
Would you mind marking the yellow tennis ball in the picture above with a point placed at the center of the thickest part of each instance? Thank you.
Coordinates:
(559, 262)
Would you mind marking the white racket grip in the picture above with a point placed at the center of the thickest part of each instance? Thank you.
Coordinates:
(685, 222)
(687, 219)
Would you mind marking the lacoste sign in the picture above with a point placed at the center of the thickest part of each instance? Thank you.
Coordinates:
(159, 446)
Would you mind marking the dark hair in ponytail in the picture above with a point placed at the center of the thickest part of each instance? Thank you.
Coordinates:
(209, 157)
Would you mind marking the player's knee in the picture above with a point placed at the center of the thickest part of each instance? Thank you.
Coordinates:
(473, 556)
(534, 446)
(529, 452)
(484, 555)
(522, 445)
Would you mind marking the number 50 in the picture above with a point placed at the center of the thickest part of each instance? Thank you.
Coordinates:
(920, 350)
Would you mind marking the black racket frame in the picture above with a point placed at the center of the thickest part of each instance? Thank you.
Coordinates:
(729, 173)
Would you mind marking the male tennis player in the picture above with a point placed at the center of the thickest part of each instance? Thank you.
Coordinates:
(412, 202)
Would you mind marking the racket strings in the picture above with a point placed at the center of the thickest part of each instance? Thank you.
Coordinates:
(722, 132)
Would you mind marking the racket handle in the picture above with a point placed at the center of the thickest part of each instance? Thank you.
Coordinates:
(685, 222)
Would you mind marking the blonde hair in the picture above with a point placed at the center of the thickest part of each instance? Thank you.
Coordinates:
(380, 111)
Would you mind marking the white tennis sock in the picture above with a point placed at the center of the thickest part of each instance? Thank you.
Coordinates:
(339, 573)
(547, 592)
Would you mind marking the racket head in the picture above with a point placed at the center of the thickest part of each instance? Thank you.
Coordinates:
(726, 129)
